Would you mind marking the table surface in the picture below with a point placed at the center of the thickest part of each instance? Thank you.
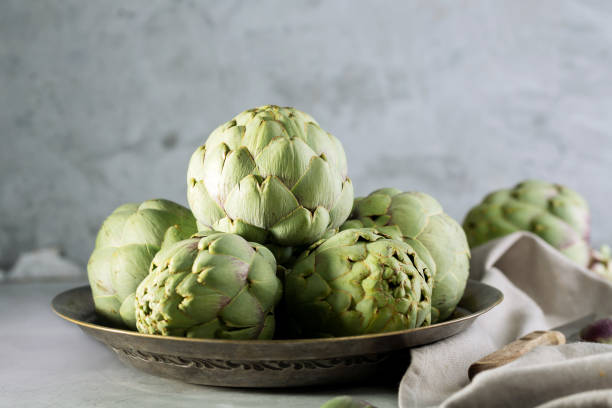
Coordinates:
(47, 361)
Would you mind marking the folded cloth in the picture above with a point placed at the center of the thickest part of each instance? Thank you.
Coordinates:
(542, 289)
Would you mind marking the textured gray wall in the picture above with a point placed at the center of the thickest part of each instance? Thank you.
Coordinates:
(103, 102)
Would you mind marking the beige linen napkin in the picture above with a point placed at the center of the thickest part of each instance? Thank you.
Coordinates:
(542, 289)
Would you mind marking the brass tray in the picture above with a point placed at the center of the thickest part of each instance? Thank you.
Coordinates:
(272, 363)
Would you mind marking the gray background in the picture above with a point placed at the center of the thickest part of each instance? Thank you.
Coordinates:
(102, 103)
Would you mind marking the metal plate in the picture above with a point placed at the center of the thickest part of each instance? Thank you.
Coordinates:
(271, 363)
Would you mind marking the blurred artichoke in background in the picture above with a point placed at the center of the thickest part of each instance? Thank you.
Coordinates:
(126, 243)
(214, 285)
(555, 213)
(599, 331)
(357, 282)
(601, 261)
(271, 174)
(438, 239)
(346, 402)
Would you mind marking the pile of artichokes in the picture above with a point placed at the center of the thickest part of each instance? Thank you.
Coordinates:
(274, 244)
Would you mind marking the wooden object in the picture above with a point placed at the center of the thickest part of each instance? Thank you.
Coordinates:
(514, 350)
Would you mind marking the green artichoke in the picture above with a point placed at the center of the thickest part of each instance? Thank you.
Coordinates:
(601, 261)
(555, 213)
(346, 402)
(438, 239)
(125, 246)
(271, 174)
(357, 282)
(214, 285)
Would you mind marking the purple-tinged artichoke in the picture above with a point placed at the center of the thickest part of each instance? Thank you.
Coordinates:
(213, 285)
(598, 332)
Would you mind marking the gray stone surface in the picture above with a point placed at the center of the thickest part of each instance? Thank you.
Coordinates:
(103, 102)
(48, 362)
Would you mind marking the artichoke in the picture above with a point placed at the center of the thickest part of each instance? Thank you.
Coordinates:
(438, 239)
(599, 331)
(271, 174)
(555, 213)
(125, 246)
(601, 261)
(346, 402)
(213, 285)
(358, 281)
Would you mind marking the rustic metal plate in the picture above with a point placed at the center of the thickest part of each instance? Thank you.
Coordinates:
(271, 363)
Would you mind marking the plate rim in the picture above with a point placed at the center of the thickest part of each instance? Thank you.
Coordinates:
(107, 329)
